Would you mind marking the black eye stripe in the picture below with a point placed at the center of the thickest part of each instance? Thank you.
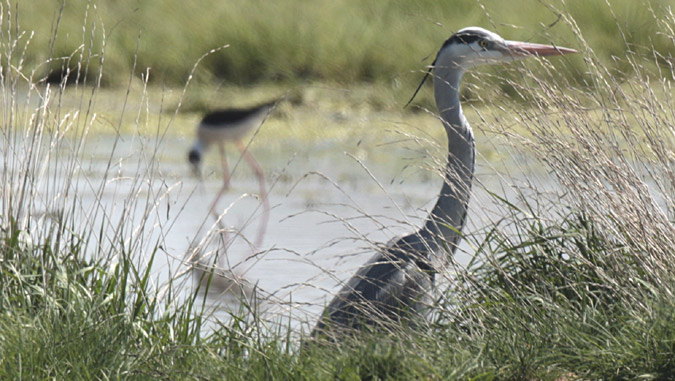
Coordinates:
(463, 38)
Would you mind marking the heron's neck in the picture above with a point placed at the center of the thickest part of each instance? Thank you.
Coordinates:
(448, 216)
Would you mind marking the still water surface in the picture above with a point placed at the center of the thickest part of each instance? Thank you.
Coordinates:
(328, 210)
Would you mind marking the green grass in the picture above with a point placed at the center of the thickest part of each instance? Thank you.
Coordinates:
(531, 315)
(572, 285)
(342, 41)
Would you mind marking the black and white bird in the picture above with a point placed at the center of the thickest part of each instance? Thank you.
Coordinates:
(232, 125)
(395, 283)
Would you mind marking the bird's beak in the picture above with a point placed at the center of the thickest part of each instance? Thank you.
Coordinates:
(526, 49)
(197, 171)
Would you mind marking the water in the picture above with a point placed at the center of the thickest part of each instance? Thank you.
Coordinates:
(328, 210)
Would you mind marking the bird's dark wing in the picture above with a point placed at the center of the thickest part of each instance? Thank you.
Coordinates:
(234, 115)
(386, 289)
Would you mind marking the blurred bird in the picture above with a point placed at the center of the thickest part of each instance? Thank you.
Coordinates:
(232, 125)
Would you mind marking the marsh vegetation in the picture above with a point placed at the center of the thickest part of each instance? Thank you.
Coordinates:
(566, 270)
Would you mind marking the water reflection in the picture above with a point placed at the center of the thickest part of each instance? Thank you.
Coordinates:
(326, 217)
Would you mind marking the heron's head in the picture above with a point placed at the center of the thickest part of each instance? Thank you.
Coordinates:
(475, 46)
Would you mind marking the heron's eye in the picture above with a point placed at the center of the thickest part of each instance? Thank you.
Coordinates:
(483, 44)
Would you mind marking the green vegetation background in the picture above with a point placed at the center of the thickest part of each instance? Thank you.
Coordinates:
(337, 41)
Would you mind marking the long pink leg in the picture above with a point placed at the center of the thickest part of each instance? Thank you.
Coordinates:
(226, 169)
(223, 189)
(263, 191)
(226, 178)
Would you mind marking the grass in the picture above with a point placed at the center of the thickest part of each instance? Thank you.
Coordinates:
(574, 284)
(341, 42)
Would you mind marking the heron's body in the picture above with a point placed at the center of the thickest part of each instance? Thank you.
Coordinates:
(393, 286)
(232, 125)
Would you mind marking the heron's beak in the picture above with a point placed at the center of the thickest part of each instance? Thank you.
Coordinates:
(527, 49)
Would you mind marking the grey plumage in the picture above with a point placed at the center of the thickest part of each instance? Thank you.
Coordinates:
(395, 283)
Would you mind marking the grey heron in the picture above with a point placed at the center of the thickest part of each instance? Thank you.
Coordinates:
(232, 125)
(396, 281)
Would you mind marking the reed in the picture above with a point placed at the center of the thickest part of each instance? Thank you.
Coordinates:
(570, 283)
(343, 41)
